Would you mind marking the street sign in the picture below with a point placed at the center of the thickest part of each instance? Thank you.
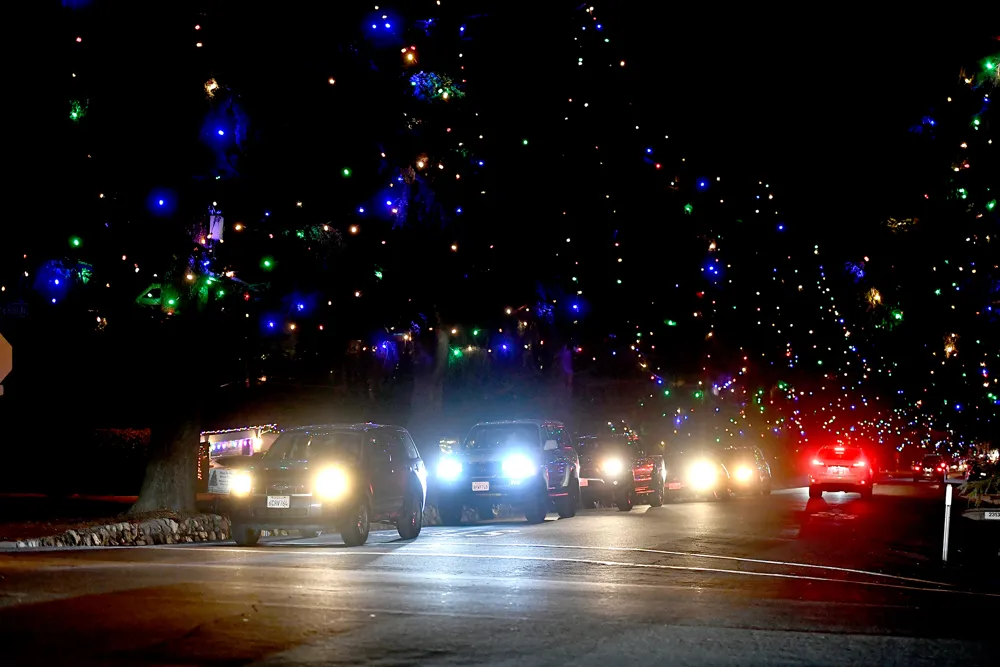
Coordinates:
(6, 360)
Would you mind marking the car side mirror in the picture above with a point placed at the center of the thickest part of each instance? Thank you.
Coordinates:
(550, 445)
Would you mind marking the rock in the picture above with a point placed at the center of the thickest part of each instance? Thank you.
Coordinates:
(74, 537)
(211, 535)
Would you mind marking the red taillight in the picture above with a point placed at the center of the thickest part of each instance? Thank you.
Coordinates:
(940, 467)
(860, 464)
(817, 462)
(917, 468)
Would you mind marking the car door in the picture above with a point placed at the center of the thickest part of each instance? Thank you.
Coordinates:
(388, 470)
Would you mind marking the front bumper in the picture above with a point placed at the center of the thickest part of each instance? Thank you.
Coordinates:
(501, 491)
(303, 513)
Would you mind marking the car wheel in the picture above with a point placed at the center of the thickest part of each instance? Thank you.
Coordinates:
(537, 510)
(245, 536)
(567, 505)
(656, 498)
(354, 530)
(450, 513)
(411, 517)
(625, 503)
(815, 492)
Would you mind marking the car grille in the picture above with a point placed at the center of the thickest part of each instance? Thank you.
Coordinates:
(484, 469)
(284, 483)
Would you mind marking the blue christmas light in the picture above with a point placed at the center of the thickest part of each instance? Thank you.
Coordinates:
(222, 133)
(702, 184)
(458, 210)
(361, 209)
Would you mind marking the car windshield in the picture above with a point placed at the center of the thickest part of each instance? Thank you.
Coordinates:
(491, 436)
(930, 461)
(310, 446)
(839, 453)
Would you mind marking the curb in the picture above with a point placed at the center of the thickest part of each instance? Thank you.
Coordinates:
(170, 530)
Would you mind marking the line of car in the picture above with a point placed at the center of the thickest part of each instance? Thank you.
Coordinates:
(342, 477)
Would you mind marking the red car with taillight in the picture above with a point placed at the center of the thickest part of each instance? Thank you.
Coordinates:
(841, 468)
(933, 468)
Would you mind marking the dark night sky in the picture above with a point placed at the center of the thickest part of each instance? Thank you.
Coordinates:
(819, 105)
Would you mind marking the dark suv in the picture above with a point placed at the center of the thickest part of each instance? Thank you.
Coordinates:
(529, 464)
(336, 477)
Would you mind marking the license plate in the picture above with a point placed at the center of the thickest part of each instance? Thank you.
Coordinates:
(480, 486)
(584, 481)
(838, 470)
(280, 502)
(674, 485)
(992, 515)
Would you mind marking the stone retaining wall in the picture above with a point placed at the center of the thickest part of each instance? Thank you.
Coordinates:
(197, 528)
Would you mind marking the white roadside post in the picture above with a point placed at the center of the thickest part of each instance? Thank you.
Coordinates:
(947, 521)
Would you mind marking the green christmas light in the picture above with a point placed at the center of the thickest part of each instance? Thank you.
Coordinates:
(670, 323)
(689, 209)
(666, 392)
(76, 111)
(524, 142)
(267, 263)
(475, 332)
(699, 394)
(897, 315)
(346, 172)
(75, 241)
(378, 274)
(991, 204)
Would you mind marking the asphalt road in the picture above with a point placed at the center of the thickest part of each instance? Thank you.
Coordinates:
(777, 580)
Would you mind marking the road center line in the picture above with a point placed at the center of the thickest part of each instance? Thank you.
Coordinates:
(610, 563)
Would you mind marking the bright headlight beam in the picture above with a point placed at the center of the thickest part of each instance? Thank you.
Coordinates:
(702, 475)
(240, 483)
(743, 473)
(518, 466)
(449, 468)
(612, 466)
(331, 483)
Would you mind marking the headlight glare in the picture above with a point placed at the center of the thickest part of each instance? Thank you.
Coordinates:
(744, 473)
(702, 475)
(331, 483)
(449, 469)
(612, 466)
(240, 483)
(518, 466)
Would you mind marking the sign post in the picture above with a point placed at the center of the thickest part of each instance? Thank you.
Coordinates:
(947, 522)
(6, 360)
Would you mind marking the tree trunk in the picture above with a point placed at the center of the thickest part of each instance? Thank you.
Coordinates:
(170, 474)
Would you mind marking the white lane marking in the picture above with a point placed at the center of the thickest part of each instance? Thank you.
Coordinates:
(831, 568)
(612, 563)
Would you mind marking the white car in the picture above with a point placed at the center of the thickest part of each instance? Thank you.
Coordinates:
(841, 468)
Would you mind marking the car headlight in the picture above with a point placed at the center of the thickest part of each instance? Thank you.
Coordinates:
(240, 483)
(743, 474)
(702, 475)
(449, 469)
(612, 466)
(518, 466)
(331, 483)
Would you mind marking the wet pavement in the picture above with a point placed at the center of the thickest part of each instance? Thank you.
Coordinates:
(777, 579)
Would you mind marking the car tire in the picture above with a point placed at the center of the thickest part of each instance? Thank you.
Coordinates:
(411, 517)
(656, 498)
(245, 536)
(566, 506)
(625, 503)
(815, 492)
(450, 513)
(537, 510)
(355, 527)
